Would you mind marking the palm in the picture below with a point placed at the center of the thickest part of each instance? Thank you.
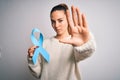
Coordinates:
(78, 28)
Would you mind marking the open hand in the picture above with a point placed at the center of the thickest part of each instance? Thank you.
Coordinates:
(78, 28)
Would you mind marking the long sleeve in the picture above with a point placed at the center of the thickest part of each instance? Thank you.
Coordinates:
(84, 51)
(35, 68)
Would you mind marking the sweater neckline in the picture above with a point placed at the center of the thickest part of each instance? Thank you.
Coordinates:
(53, 38)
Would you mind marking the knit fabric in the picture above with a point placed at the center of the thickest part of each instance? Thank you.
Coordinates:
(62, 59)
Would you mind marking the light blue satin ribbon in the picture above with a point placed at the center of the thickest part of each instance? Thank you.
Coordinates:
(40, 49)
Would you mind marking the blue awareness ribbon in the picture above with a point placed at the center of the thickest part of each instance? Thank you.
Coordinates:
(40, 49)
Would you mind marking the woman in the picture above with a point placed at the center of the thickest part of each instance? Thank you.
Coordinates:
(73, 42)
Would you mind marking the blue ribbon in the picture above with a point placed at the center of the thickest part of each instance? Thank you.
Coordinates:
(40, 48)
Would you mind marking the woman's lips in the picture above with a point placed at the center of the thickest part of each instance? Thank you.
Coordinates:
(58, 29)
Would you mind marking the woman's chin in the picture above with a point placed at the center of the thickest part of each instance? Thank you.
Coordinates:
(59, 34)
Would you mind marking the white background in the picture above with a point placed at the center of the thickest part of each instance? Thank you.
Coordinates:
(19, 17)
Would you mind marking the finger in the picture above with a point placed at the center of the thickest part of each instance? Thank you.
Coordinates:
(70, 21)
(31, 54)
(33, 47)
(85, 25)
(80, 29)
(74, 16)
(79, 17)
(31, 50)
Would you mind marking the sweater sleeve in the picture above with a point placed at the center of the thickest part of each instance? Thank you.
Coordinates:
(84, 51)
(35, 69)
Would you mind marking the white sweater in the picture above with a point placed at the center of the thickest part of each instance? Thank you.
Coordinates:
(62, 60)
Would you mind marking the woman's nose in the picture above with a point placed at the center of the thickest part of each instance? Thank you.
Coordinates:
(56, 24)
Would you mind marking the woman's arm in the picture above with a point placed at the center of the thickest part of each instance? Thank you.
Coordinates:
(84, 51)
(34, 68)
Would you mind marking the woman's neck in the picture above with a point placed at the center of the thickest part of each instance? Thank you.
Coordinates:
(62, 36)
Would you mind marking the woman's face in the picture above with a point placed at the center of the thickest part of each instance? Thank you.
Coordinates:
(59, 22)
